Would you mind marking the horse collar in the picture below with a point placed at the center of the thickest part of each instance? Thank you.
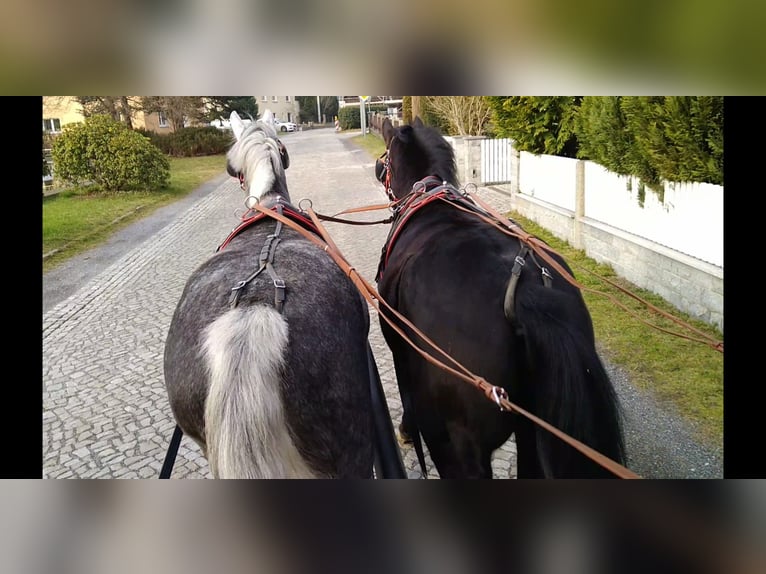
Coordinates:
(250, 218)
(423, 192)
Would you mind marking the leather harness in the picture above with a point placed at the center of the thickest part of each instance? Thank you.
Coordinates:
(268, 250)
(431, 189)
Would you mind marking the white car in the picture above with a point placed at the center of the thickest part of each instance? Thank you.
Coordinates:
(286, 126)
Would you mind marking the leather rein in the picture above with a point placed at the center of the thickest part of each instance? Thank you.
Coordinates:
(496, 394)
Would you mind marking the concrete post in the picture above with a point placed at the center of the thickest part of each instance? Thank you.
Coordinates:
(577, 240)
(416, 106)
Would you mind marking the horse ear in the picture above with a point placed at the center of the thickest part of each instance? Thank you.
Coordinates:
(268, 117)
(237, 125)
(284, 156)
(418, 123)
(388, 131)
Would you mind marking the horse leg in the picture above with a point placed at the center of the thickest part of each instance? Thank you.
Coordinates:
(455, 451)
(406, 429)
(470, 450)
(527, 463)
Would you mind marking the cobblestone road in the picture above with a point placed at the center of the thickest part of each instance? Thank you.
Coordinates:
(105, 410)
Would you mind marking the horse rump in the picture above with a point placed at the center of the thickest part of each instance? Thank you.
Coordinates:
(245, 422)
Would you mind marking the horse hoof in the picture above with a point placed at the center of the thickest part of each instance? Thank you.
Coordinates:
(404, 438)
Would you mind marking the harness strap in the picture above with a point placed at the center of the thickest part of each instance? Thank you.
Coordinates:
(265, 261)
(509, 304)
(496, 394)
(170, 457)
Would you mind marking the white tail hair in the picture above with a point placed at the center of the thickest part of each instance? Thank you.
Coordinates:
(245, 423)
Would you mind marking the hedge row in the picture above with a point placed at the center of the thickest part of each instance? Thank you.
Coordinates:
(672, 138)
(192, 141)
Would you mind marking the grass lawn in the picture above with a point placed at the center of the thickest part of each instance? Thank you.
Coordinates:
(78, 219)
(683, 373)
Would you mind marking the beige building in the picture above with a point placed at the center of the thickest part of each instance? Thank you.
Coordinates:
(59, 111)
(284, 108)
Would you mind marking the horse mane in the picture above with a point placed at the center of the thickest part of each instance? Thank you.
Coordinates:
(438, 155)
(256, 156)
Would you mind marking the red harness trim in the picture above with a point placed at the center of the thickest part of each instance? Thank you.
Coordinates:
(288, 211)
(408, 209)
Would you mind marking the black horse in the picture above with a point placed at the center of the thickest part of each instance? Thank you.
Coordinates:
(489, 301)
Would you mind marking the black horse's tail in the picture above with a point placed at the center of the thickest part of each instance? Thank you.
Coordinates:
(565, 384)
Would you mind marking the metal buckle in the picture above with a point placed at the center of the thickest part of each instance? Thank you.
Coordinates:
(499, 393)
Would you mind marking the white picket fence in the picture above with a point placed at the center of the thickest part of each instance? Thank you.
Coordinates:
(496, 161)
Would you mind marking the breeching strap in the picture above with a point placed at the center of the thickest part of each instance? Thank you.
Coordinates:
(496, 394)
(170, 457)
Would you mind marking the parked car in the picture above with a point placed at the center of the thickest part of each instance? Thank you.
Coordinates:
(286, 126)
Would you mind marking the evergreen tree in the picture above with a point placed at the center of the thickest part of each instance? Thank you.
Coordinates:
(538, 124)
(220, 107)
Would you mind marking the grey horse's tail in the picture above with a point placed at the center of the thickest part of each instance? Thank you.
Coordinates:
(246, 430)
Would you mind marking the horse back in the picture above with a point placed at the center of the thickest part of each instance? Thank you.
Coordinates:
(325, 382)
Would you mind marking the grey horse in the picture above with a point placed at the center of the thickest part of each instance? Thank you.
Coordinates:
(266, 358)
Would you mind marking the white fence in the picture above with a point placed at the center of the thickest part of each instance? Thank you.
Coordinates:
(671, 246)
(689, 219)
(495, 161)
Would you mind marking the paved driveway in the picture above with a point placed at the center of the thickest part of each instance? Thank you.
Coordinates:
(105, 410)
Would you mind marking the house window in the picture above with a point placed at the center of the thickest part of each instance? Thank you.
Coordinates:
(163, 120)
(274, 98)
(51, 125)
(264, 98)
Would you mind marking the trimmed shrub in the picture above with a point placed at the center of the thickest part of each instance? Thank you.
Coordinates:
(192, 141)
(108, 153)
(349, 118)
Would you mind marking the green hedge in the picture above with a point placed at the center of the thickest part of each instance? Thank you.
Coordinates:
(349, 118)
(192, 141)
(655, 138)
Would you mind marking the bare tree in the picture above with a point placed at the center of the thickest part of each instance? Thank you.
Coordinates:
(177, 109)
(467, 115)
(119, 108)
